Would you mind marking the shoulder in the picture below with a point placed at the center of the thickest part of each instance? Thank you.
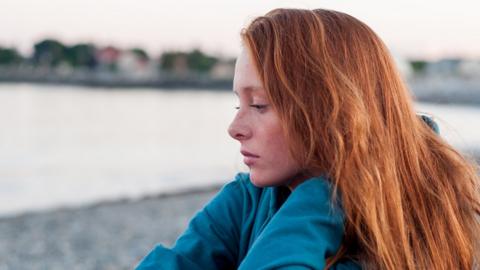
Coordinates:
(428, 119)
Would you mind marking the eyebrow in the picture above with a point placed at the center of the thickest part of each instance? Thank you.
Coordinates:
(248, 88)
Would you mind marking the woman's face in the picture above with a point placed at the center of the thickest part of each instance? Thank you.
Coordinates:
(257, 127)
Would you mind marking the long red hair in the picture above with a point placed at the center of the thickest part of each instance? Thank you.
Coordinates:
(411, 200)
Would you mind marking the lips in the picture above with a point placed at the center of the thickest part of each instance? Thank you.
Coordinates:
(249, 158)
(248, 154)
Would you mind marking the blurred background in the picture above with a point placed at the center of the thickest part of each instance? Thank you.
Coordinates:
(113, 114)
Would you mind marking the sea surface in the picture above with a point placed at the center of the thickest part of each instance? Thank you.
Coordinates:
(68, 146)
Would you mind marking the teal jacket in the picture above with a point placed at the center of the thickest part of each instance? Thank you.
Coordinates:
(247, 227)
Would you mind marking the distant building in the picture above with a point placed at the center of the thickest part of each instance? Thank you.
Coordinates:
(107, 58)
(180, 65)
(223, 70)
(443, 67)
(133, 66)
(469, 69)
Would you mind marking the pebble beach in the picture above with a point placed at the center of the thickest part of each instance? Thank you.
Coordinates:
(111, 235)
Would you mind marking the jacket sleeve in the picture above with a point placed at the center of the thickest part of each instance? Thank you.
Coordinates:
(303, 232)
(210, 240)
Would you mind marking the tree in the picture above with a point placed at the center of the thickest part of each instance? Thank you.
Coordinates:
(140, 53)
(169, 59)
(199, 61)
(418, 66)
(48, 52)
(81, 55)
(9, 56)
(194, 60)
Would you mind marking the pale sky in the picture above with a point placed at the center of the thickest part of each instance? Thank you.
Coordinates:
(415, 29)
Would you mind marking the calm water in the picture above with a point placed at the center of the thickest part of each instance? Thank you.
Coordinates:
(62, 145)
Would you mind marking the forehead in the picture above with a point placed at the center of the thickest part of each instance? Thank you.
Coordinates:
(246, 79)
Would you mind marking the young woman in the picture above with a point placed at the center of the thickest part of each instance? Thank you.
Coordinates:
(343, 173)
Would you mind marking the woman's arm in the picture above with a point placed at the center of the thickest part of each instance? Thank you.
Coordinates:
(303, 232)
(211, 239)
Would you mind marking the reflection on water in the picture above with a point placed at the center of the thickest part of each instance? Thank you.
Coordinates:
(68, 145)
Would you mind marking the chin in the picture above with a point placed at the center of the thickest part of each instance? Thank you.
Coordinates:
(261, 180)
(258, 179)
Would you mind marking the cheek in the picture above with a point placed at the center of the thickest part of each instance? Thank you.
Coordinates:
(277, 168)
(281, 154)
(278, 148)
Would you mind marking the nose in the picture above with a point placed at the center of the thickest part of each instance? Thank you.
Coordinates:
(239, 129)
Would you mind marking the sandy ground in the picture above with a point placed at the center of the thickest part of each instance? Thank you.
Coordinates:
(109, 235)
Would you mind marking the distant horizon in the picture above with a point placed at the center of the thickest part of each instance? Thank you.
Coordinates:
(425, 30)
(156, 54)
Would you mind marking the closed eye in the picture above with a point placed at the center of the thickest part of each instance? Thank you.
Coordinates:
(256, 106)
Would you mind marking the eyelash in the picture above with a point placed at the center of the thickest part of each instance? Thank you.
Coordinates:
(256, 106)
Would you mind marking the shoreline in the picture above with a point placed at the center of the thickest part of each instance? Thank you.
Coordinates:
(437, 90)
(114, 201)
(125, 84)
(472, 154)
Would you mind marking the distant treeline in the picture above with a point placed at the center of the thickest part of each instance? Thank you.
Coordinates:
(53, 53)
(87, 63)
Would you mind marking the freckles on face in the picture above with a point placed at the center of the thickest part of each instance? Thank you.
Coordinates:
(277, 166)
(258, 128)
